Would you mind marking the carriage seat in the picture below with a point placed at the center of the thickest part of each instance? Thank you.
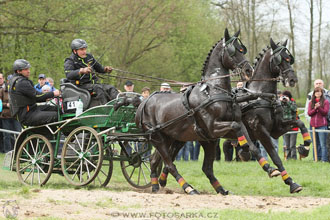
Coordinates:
(71, 93)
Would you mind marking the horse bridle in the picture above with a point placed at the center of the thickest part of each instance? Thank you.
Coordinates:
(231, 50)
(276, 60)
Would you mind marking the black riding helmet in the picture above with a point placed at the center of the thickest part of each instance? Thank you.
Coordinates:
(78, 44)
(21, 64)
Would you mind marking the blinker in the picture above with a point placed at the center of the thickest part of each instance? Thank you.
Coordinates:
(203, 87)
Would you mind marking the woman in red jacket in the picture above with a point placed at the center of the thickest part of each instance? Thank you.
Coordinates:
(318, 109)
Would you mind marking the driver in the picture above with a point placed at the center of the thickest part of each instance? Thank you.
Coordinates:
(80, 70)
(23, 98)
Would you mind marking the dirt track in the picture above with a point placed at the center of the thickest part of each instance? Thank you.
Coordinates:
(82, 204)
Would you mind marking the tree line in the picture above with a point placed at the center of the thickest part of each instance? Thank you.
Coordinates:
(166, 39)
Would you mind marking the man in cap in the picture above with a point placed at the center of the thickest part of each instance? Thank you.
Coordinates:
(165, 87)
(41, 82)
(23, 98)
(129, 86)
(80, 70)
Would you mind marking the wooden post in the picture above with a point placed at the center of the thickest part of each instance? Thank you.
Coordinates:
(314, 144)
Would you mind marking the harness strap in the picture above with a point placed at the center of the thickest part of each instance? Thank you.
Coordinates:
(185, 101)
(190, 112)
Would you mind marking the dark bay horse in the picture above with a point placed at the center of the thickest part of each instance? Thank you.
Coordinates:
(264, 118)
(204, 112)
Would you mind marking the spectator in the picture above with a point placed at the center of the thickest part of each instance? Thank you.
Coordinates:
(289, 113)
(318, 109)
(2, 85)
(129, 86)
(165, 87)
(145, 92)
(239, 85)
(41, 82)
(8, 122)
(185, 151)
(195, 151)
(46, 88)
(51, 83)
(317, 83)
(228, 150)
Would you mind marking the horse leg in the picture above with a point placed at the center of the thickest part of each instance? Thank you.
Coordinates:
(266, 141)
(209, 156)
(247, 145)
(175, 148)
(161, 145)
(304, 131)
(154, 163)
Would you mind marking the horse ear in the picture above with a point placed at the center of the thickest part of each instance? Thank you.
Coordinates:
(272, 44)
(227, 36)
(285, 42)
(237, 33)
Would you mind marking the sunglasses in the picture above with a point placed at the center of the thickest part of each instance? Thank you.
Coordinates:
(231, 47)
(278, 57)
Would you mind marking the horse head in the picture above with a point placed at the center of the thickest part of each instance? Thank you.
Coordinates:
(281, 63)
(228, 54)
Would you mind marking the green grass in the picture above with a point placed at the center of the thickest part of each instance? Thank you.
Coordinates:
(241, 178)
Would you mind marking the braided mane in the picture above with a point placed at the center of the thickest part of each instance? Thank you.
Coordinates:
(206, 62)
(260, 56)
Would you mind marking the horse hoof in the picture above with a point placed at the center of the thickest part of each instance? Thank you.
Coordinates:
(295, 188)
(162, 183)
(224, 192)
(193, 192)
(155, 188)
(307, 143)
(273, 172)
(244, 155)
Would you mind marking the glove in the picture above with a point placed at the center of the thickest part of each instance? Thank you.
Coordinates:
(85, 70)
(108, 69)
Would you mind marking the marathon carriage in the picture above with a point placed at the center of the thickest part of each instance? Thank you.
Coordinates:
(83, 147)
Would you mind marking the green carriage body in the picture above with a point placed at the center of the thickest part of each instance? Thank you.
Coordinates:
(109, 129)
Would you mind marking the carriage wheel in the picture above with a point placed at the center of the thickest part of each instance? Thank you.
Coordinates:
(35, 160)
(136, 169)
(104, 176)
(82, 156)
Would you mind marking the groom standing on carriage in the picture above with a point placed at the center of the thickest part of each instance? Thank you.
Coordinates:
(80, 70)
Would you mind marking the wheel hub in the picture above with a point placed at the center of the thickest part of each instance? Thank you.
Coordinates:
(81, 155)
(136, 160)
(34, 161)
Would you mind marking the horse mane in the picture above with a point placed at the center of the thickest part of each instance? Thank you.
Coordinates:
(260, 56)
(206, 62)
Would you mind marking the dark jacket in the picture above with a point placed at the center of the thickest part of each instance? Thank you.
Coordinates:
(72, 67)
(23, 97)
(5, 100)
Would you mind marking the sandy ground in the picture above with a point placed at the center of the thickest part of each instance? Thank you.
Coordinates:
(100, 204)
